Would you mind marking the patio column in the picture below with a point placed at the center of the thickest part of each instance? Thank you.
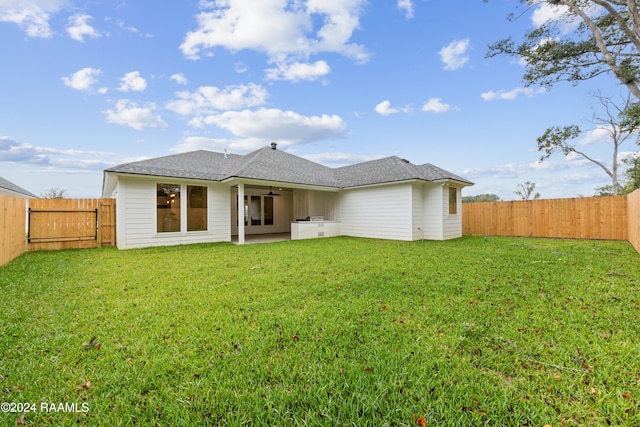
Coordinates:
(241, 214)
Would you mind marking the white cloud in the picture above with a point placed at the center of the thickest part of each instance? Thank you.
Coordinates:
(435, 105)
(509, 170)
(454, 55)
(79, 27)
(407, 6)
(130, 114)
(179, 78)
(208, 99)
(232, 145)
(524, 62)
(559, 14)
(547, 12)
(593, 136)
(384, 109)
(132, 82)
(284, 30)
(286, 127)
(298, 71)
(12, 150)
(121, 24)
(31, 15)
(83, 79)
(512, 94)
(340, 159)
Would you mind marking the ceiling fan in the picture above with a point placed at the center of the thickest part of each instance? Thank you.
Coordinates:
(271, 193)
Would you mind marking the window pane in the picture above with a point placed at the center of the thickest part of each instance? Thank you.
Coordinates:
(256, 213)
(196, 208)
(246, 210)
(453, 201)
(168, 207)
(268, 210)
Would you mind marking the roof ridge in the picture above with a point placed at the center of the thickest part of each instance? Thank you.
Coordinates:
(410, 167)
(244, 160)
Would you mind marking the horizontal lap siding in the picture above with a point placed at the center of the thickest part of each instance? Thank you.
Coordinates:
(452, 224)
(137, 216)
(382, 212)
(431, 211)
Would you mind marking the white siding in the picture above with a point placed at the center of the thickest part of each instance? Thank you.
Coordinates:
(324, 204)
(136, 214)
(452, 224)
(427, 211)
(382, 212)
(300, 204)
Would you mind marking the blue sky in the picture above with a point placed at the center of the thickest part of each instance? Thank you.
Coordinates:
(86, 85)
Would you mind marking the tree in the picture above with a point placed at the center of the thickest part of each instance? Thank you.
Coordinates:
(526, 191)
(54, 193)
(605, 41)
(611, 121)
(605, 190)
(481, 198)
(632, 174)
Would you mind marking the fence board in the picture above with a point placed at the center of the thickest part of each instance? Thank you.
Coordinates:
(633, 201)
(12, 227)
(584, 218)
(71, 223)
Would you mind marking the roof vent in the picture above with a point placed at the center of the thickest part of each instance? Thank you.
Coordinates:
(405, 160)
(274, 145)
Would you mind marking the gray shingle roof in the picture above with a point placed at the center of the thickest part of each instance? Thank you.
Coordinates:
(392, 169)
(8, 185)
(276, 165)
(269, 164)
(205, 165)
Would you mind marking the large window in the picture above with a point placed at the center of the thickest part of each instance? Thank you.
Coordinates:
(196, 208)
(169, 207)
(453, 201)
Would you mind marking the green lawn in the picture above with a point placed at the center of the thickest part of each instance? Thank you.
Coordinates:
(341, 331)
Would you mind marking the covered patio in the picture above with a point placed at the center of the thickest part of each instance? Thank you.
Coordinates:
(262, 238)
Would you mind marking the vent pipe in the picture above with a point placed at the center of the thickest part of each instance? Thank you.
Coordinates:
(274, 145)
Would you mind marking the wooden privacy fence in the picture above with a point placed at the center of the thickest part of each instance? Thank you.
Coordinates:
(71, 223)
(581, 218)
(633, 206)
(12, 227)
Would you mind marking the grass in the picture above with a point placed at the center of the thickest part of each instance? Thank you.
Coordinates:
(340, 331)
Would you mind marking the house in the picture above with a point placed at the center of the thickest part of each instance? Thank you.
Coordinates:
(10, 189)
(203, 196)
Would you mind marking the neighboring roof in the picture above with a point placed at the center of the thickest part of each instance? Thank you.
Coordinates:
(270, 164)
(12, 188)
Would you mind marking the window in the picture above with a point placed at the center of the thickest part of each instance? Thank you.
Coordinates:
(258, 210)
(453, 201)
(196, 208)
(256, 213)
(168, 207)
(268, 210)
